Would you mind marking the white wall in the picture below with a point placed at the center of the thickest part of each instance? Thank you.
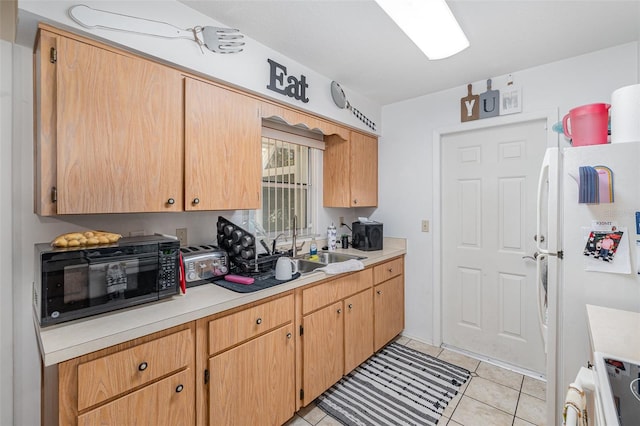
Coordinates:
(6, 252)
(406, 159)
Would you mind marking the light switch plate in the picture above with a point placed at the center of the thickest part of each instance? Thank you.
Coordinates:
(425, 226)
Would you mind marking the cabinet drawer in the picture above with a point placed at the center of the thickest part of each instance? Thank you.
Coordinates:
(329, 292)
(235, 328)
(388, 270)
(106, 377)
(166, 402)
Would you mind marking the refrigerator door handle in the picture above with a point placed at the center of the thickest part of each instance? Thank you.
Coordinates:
(542, 179)
(541, 291)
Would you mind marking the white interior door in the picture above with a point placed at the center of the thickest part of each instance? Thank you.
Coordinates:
(489, 188)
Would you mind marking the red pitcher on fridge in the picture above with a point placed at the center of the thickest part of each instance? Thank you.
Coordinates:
(587, 124)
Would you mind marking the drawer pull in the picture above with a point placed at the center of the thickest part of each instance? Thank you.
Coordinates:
(143, 366)
(391, 270)
(379, 292)
(350, 305)
(288, 335)
(179, 388)
(259, 321)
(339, 311)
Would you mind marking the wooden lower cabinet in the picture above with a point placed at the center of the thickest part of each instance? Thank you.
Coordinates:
(248, 356)
(146, 381)
(337, 337)
(253, 384)
(323, 350)
(388, 302)
(358, 329)
(166, 402)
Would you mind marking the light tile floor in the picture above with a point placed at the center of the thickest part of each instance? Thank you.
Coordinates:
(493, 397)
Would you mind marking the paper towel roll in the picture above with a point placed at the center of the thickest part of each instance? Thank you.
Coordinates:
(625, 114)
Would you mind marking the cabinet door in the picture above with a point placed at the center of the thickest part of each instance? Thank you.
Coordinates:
(364, 170)
(388, 305)
(253, 384)
(323, 350)
(222, 149)
(168, 402)
(350, 171)
(119, 132)
(358, 329)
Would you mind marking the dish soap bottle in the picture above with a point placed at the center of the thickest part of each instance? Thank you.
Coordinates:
(332, 237)
(313, 250)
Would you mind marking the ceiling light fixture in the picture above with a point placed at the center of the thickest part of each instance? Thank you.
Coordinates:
(429, 24)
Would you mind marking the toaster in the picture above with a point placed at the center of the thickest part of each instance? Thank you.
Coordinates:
(203, 264)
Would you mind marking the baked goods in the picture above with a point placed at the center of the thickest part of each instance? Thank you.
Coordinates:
(88, 238)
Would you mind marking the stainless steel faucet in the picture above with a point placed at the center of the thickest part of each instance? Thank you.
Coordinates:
(294, 247)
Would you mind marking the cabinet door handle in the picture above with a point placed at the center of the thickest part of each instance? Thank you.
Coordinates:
(288, 335)
(196, 201)
(355, 201)
(179, 388)
(259, 321)
(171, 201)
(143, 366)
(379, 292)
(350, 305)
(339, 311)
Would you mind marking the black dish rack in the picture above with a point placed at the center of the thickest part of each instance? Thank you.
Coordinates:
(241, 247)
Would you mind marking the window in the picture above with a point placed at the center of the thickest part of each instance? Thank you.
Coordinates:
(288, 161)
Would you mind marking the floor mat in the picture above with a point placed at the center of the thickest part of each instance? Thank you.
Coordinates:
(396, 386)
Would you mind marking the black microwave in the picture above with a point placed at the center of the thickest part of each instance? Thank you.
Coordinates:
(76, 283)
(366, 236)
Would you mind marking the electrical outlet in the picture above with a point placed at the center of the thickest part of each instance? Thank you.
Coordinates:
(425, 226)
(341, 220)
(181, 233)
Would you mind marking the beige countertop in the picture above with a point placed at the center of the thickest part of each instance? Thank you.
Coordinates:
(64, 341)
(614, 332)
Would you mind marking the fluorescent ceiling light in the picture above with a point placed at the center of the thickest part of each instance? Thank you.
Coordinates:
(429, 24)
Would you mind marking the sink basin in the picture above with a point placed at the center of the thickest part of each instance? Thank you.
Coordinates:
(327, 257)
(306, 265)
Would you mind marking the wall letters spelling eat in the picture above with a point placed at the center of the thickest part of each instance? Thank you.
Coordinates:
(294, 87)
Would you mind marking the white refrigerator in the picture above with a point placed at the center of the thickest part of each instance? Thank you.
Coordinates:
(573, 274)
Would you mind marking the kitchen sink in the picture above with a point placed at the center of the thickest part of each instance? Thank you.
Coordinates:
(306, 265)
(327, 257)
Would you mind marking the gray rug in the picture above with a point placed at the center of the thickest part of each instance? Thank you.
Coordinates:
(396, 386)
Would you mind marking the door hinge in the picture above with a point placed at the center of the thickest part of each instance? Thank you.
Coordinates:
(53, 55)
(301, 394)
(301, 330)
(54, 194)
(206, 376)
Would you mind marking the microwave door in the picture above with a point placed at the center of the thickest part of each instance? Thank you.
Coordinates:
(122, 279)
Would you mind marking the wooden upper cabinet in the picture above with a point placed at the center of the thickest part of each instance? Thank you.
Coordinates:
(350, 170)
(222, 148)
(117, 132)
